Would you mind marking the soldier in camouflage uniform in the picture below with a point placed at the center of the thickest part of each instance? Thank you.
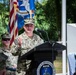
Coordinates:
(3, 59)
(11, 60)
(27, 41)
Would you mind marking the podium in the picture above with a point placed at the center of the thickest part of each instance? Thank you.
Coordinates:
(42, 58)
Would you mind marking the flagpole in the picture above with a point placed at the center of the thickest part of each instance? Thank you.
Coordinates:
(13, 21)
(32, 8)
(64, 36)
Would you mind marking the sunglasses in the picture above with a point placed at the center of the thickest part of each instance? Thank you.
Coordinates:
(28, 25)
(5, 39)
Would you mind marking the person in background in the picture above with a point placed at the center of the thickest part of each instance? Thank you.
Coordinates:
(3, 59)
(26, 41)
(11, 61)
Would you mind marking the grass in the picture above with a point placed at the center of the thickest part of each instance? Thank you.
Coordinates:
(58, 64)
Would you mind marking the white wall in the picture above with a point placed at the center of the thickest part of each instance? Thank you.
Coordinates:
(71, 47)
(71, 37)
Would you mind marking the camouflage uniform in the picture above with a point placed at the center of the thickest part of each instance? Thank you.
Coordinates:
(10, 63)
(8, 60)
(3, 59)
(27, 45)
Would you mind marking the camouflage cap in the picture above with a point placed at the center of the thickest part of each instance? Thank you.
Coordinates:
(5, 36)
(29, 21)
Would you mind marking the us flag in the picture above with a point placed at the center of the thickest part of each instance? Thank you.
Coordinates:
(19, 11)
(13, 20)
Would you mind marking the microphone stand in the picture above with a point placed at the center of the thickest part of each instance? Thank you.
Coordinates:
(41, 36)
(51, 43)
(47, 36)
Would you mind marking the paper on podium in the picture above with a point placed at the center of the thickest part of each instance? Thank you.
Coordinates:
(72, 63)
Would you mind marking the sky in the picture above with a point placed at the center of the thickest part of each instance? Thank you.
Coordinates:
(1, 1)
(40, 1)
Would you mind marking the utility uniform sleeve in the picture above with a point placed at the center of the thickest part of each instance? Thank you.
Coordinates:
(3, 59)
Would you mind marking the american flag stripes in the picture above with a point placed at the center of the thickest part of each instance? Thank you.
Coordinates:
(13, 20)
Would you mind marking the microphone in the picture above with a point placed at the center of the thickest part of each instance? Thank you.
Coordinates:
(42, 31)
(39, 30)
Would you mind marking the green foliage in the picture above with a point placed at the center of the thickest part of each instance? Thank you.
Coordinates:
(3, 17)
(46, 18)
(2, 30)
(71, 11)
(40, 20)
(53, 15)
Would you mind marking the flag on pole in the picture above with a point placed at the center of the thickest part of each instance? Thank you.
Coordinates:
(19, 11)
(26, 10)
(13, 20)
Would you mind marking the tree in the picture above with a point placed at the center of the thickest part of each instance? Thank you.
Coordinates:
(48, 17)
(71, 11)
(3, 17)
